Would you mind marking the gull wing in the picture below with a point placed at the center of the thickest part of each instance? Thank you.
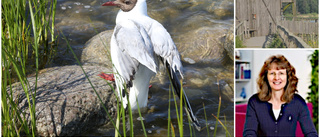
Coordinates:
(164, 46)
(133, 48)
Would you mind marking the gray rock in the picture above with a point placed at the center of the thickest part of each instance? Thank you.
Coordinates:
(97, 49)
(203, 45)
(66, 104)
(221, 8)
(229, 43)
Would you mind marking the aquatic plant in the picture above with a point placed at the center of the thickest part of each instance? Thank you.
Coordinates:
(27, 45)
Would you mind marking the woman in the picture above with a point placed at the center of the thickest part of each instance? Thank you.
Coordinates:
(275, 109)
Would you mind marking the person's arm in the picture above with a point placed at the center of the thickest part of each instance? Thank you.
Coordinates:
(305, 121)
(251, 124)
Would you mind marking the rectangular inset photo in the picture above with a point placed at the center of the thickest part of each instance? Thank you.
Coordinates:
(276, 92)
(276, 24)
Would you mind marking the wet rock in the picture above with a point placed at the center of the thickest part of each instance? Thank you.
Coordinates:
(96, 51)
(227, 90)
(66, 104)
(163, 14)
(200, 82)
(229, 42)
(203, 45)
(221, 8)
(209, 78)
(76, 32)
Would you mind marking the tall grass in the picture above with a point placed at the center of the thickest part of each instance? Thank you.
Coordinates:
(27, 45)
(311, 39)
(178, 113)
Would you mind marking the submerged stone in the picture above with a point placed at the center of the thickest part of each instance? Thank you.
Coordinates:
(66, 104)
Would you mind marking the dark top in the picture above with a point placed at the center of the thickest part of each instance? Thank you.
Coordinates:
(260, 120)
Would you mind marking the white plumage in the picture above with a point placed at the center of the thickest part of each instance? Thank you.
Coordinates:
(138, 44)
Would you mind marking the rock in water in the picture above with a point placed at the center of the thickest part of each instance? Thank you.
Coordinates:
(96, 51)
(66, 104)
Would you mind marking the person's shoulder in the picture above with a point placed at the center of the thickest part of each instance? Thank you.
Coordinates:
(254, 98)
(298, 99)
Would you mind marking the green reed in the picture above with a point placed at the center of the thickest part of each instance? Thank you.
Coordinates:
(142, 124)
(205, 116)
(169, 117)
(218, 114)
(217, 118)
(27, 45)
(178, 113)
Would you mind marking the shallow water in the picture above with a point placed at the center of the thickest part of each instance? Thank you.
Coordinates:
(79, 21)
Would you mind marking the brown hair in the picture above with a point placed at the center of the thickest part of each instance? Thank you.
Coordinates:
(264, 92)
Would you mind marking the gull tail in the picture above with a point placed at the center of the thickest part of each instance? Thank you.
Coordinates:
(177, 87)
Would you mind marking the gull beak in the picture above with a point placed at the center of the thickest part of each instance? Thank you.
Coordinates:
(109, 3)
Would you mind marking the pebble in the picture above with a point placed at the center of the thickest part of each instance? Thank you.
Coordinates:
(189, 60)
(140, 118)
(211, 128)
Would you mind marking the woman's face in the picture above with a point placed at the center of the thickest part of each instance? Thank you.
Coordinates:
(277, 78)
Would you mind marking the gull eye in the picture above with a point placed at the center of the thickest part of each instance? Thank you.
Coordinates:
(127, 2)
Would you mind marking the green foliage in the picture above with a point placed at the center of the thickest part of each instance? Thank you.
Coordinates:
(312, 40)
(239, 43)
(304, 7)
(307, 6)
(288, 10)
(276, 42)
(313, 96)
(27, 27)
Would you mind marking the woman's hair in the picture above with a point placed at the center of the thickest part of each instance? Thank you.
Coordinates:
(290, 88)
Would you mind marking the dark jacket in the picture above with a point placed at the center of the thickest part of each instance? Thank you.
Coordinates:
(260, 120)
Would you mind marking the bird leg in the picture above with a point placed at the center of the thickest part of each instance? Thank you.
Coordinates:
(105, 76)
